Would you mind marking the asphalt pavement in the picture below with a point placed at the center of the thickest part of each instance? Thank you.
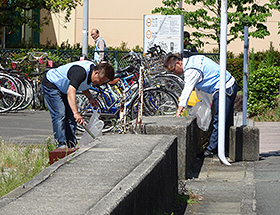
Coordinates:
(243, 188)
(27, 127)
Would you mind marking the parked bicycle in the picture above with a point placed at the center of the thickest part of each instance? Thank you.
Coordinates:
(121, 99)
(9, 93)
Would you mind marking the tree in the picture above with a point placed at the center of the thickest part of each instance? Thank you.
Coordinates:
(206, 18)
(15, 13)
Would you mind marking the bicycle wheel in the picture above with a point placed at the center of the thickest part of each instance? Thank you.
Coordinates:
(156, 101)
(83, 109)
(21, 89)
(38, 98)
(170, 83)
(9, 93)
(86, 110)
(29, 94)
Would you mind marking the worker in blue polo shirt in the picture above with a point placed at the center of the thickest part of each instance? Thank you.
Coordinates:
(204, 74)
(59, 88)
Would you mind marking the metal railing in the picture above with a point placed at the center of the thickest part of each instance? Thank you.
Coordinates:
(114, 57)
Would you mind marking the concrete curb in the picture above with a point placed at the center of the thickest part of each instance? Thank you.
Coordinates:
(124, 198)
(185, 129)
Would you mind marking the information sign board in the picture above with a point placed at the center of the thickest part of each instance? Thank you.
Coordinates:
(167, 31)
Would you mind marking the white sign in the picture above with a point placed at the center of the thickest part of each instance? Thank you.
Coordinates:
(167, 31)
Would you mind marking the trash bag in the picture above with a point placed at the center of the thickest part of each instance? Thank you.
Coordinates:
(95, 126)
(202, 110)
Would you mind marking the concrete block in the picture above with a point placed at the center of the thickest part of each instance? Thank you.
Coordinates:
(244, 143)
(57, 154)
(186, 131)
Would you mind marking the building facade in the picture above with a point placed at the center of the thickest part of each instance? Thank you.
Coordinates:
(122, 21)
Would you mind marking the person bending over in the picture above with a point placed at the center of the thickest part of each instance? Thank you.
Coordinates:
(59, 88)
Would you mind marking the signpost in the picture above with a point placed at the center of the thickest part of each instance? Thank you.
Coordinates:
(85, 29)
(167, 31)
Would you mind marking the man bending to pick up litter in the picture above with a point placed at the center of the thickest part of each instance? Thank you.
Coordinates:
(204, 74)
(59, 87)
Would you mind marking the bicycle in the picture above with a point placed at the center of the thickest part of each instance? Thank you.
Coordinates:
(114, 103)
(38, 58)
(23, 80)
(9, 93)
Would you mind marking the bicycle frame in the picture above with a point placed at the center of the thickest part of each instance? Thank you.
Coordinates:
(4, 90)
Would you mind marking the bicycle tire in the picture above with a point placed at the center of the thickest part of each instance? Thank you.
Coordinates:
(8, 93)
(29, 94)
(170, 83)
(22, 90)
(86, 110)
(156, 101)
(38, 98)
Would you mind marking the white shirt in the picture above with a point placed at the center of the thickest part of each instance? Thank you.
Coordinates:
(191, 78)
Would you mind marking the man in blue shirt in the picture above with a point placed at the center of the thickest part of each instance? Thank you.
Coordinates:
(59, 88)
(204, 74)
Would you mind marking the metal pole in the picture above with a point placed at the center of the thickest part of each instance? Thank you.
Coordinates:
(180, 4)
(245, 74)
(222, 91)
(85, 29)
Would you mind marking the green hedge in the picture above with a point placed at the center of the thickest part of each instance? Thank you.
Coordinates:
(235, 67)
(263, 90)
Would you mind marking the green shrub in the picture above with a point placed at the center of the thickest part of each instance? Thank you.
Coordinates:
(263, 89)
(266, 58)
(235, 67)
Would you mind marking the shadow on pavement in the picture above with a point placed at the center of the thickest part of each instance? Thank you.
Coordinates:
(269, 154)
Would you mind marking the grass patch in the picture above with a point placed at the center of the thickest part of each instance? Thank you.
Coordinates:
(20, 163)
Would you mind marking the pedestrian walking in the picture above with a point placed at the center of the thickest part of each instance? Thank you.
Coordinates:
(100, 46)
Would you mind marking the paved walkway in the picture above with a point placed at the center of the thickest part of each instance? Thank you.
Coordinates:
(244, 187)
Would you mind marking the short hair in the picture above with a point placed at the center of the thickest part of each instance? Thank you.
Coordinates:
(105, 69)
(96, 30)
(171, 59)
(186, 35)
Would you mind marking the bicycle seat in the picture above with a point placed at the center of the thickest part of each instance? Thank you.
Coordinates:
(121, 75)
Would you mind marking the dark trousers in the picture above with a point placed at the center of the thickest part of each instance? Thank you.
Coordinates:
(230, 97)
(64, 124)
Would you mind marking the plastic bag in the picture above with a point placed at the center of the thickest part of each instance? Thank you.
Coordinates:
(202, 110)
(95, 126)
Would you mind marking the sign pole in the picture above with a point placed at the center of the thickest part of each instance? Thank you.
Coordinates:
(85, 29)
(245, 75)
